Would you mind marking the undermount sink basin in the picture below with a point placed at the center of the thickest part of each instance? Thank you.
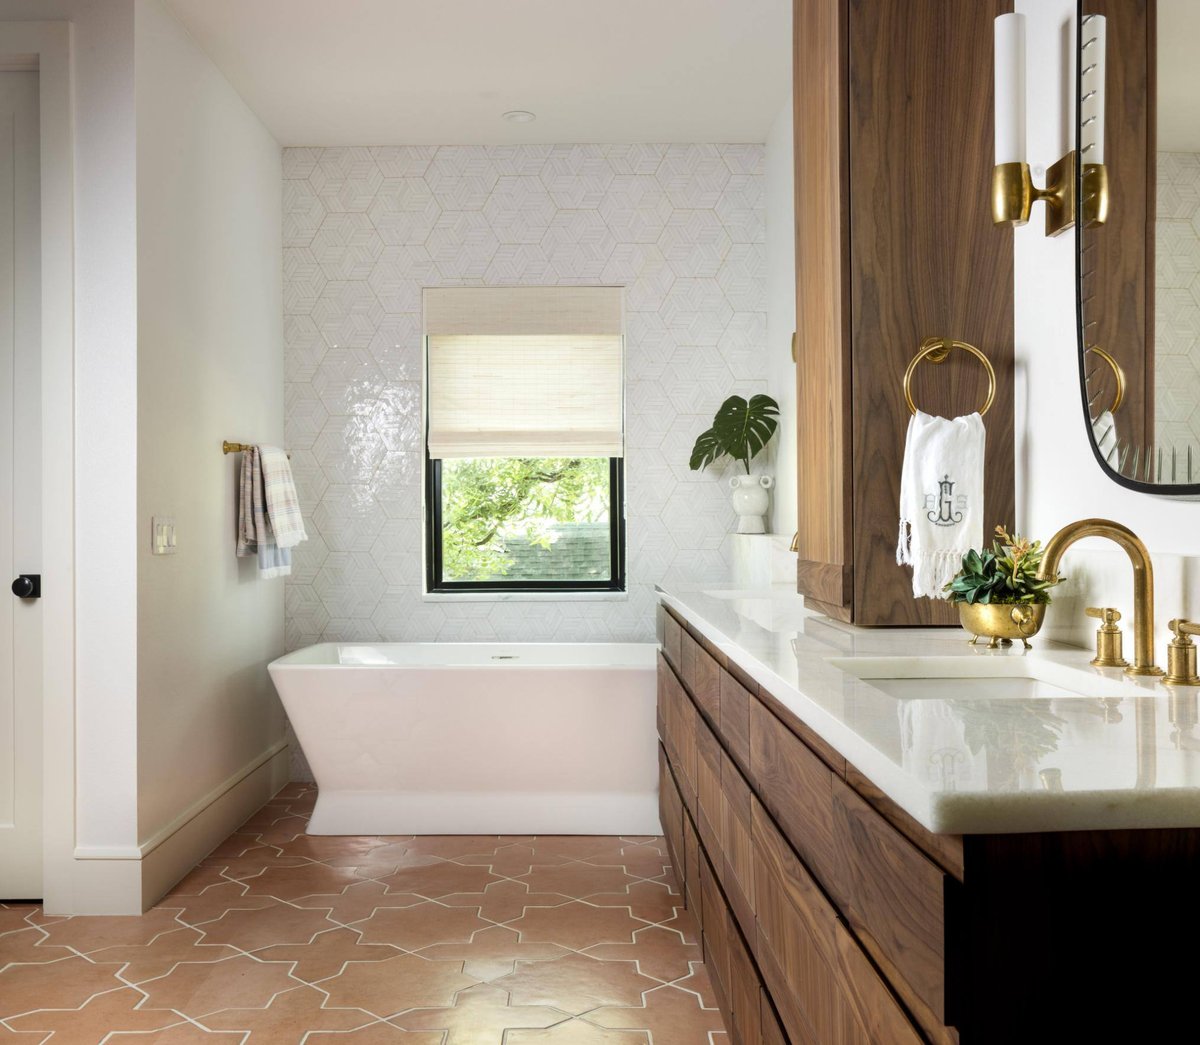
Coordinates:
(982, 678)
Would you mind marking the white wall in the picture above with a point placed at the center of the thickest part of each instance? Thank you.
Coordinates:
(779, 177)
(210, 366)
(1058, 479)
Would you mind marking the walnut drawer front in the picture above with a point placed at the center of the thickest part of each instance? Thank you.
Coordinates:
(672, 641)
(826, 988)
(702, 675)
(735, 703)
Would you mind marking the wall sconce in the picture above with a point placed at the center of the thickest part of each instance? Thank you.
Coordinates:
(1013, 191)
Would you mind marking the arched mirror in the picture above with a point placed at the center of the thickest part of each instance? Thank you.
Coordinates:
(1138, 228)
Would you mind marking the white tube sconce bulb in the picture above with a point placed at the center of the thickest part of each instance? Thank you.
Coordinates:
(1010, 88)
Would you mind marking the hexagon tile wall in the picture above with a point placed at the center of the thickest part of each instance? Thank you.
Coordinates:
(680, 226)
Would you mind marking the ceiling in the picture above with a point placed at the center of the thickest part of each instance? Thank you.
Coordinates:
(423, 72)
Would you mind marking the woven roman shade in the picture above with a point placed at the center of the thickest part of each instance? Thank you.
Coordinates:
(524, 372)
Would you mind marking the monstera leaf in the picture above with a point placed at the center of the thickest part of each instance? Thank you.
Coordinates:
(740, 430)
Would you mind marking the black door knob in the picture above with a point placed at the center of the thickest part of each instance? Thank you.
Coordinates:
(28, 586)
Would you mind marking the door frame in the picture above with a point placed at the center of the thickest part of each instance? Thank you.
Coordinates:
(46, 47)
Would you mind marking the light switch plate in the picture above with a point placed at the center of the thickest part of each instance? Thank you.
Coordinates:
(162, 541)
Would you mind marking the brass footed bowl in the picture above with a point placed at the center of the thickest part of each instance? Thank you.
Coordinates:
(1002, 623)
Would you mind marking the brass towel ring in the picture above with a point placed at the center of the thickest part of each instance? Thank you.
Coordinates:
(936, 349)
(1118, 374)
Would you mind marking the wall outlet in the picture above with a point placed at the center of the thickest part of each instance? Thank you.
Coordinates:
(162, 540)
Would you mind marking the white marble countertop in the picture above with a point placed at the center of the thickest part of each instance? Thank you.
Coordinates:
(1122, 750)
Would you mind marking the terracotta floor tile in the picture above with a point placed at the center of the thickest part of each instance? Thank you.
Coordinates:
(161, 955)
(513, 858)
(439, 879)
(13, 916)
(493, 952)
(652, 900)
(65, 985)
(673, 1017)
(290, 883)
(698, 983)
(266, 926)
(577, 1032)
(25, 945)
(391, 986)
(358, 901)
(237, 844)
(576, 925)
(377, 1034)
(90, 934)
(683, 926)
(326, 953)
(449, 846)
(581, 847)
(576, 983)
(214, 902)
(480, 1016)
(334, 850)
(390, 858)
(196, 882)
(658, 952)
(197, 989)
(284, 829)
(415, 927)
(180, 1034)
(504, 900)
(578, 880)
(288, 1018)
(86, 1025)
(252, 863)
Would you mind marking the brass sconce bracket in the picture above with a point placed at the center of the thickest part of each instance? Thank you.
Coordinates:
(1014, 194)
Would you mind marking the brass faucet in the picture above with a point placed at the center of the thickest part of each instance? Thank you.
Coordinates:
(1143, 581)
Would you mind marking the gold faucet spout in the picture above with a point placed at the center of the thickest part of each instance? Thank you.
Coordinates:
(1143, 580)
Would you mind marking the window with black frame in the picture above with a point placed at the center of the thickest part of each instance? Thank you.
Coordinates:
(524, 437)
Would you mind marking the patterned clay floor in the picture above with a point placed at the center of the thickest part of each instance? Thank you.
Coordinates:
(280, 937)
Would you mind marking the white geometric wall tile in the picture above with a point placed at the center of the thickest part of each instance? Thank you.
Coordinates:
(348, 517)
(346, 179)
(577, 176)
(743, 277)
(694, 242)
(303, 280)
(462, 244)
(349, 584)
(306, 415)
(346, 246)
(745, 159)
(308, 556)
(399, 275)
(636, 208)
(694, 175)
(303, 347)
(404, 211)
(741, 210)
(502, 215)
(578, 244)
(299, 162)
(696, 311)
(348, 450)
(397, 347)
(403, 161)
(461, 176)
(347, 314)
(634, 159)
(303, 213)
(346, 378)
(519, 209)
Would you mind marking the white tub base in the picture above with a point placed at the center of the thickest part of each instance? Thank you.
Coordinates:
(466, 738)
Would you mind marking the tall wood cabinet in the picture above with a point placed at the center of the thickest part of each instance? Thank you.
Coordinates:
(894, 243)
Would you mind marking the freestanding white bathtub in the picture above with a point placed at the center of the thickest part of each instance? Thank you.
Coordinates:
(467, 738)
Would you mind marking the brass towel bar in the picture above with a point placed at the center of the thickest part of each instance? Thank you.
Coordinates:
(936, 349)
(236, 448)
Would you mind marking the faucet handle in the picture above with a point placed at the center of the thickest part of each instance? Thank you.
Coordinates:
(1181, 654)
(1106, 614)
(1108, 638)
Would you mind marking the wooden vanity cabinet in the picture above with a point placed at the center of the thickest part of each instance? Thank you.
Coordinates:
(894, 243)
(828, 915)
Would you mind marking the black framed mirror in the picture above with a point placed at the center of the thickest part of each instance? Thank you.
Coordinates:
(1138, 240)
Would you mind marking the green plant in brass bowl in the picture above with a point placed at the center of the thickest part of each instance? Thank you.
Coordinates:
(998, 591)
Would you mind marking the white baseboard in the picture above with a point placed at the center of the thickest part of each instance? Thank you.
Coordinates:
(488, 813)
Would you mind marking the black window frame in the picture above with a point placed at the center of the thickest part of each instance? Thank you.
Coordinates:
(436, 584)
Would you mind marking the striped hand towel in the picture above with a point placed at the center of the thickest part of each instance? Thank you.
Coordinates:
(255, 532)
(283, 506)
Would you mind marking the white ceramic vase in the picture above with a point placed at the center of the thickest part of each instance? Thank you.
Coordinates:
(750, 501)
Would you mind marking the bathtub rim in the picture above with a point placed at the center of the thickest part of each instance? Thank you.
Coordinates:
(292, 660)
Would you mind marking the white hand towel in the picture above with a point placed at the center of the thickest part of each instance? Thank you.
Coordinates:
(941, 498)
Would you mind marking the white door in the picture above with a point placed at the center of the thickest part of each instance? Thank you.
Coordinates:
(20, 490)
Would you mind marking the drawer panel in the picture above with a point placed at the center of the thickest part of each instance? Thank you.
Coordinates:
(743, 994)
(735, 717)
(709, 797)
(772, 1031)
(670, 808)
(738, 848)
(716, 928)
(896, 901)
(826, 988)
(691, 872)
(672, 639)
(702, 675)
(797, 788)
